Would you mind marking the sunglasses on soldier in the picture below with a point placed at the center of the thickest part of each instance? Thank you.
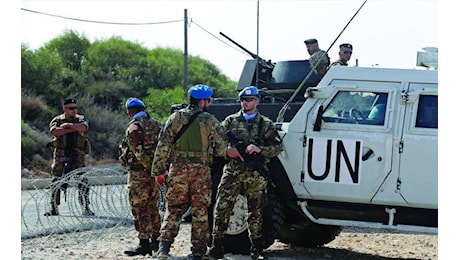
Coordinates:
(247, 99)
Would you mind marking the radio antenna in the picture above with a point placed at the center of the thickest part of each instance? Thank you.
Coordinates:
(280, 117)
(257, 47)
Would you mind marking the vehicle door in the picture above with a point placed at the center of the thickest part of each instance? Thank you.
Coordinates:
(418, 148)
(350, 155)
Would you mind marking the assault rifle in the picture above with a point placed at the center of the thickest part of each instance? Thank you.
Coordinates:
(254, 160)
(68, 160)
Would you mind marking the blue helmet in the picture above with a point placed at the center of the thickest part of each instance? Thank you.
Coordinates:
(200, 91)
(249, 91)
(134, 102)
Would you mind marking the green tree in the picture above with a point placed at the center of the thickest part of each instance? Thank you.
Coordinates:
(118, 68)
(159, 101)
(101, 76)
(41, 73)
(72, 48)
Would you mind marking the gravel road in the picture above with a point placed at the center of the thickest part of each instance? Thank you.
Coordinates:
(352, 243)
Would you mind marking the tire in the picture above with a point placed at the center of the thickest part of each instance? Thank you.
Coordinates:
(309, 234)
(273, 219)
(236, 239)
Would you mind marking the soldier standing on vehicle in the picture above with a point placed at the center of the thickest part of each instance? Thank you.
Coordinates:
(188, 142)
(70, 147)
(317, 56)
(345, 52)
(137, 149)
(258, 131)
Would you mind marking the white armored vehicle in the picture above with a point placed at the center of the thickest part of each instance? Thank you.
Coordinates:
(360, 150)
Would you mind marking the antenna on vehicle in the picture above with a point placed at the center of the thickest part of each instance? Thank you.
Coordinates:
(257, 47)
(280, 117)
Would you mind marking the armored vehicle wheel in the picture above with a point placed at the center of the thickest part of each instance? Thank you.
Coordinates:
(273, 218)
(309, 234)
(236, 239)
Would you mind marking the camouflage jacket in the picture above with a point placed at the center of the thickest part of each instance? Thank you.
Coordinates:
(60, 142)
(203, 140)
(339, 62)
(140, 142)
(323, 59)
(259, 131)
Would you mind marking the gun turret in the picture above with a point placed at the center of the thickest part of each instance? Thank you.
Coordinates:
(249, 77)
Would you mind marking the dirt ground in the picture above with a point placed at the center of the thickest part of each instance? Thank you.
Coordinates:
(352, 243)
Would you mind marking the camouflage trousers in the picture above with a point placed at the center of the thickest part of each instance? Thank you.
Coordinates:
(57, 166)
(57, 169)
(143, 195)
(250, 184)
(189, 185)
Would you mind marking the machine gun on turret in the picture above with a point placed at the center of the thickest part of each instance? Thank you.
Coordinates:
(256, 72)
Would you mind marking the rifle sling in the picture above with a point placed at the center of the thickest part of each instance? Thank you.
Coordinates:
(184, 127)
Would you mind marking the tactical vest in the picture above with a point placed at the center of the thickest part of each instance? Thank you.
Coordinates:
(148, 140)
(193, 145)
(62, 142)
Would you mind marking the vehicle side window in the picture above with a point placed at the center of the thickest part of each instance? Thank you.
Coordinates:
(427, 112)
(357, 107)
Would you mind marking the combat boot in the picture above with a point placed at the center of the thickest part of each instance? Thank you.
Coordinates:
(87, 212)
(142, 249)
(54, 202)
(163, 251)
(52, 212)
(154, 244)
(83, 197)
(216, 251)
(257, 250)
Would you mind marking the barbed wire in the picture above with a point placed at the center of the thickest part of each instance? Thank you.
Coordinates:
(108, 196)
(109, 203)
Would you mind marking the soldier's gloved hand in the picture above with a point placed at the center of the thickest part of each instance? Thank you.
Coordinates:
(161, 179)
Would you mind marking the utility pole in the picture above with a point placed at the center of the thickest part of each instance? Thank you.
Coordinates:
(185, 50)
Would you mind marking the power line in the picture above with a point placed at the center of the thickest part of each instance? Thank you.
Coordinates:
(145, 23)
(191, 21)
(92, 21)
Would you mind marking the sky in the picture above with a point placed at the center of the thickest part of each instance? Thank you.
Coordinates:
(386, 33)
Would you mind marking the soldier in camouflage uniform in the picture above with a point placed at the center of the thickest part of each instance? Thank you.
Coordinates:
(188, 142)
(252, 128)
(317, 56)
(68, 129)
(345, 52)
(137, 149)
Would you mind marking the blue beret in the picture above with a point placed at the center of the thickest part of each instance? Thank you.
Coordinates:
(134, 102)
(310, 41)
(249, 91)
(200, 91)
